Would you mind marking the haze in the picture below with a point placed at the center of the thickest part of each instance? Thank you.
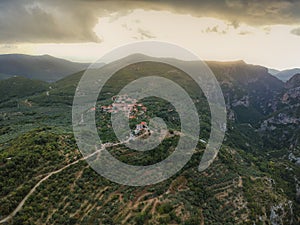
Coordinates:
(214, 30)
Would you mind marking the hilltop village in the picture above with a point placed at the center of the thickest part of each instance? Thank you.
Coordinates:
(131, 108)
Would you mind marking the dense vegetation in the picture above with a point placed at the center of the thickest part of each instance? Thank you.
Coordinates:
(251, 179)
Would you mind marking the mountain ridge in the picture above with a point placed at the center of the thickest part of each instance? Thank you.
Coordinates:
(45, 67)
(50, 69)
(285, 75)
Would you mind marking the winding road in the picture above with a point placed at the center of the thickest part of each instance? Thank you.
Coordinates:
(21, 204)
(19, 207)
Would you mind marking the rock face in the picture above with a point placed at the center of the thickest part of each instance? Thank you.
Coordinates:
(275, 218)
(278, 212)
(249, 90)
(253, 96)
(294, 82)
(292, 94)
(286, 114)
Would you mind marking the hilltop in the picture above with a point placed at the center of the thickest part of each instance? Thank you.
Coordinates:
(44, 67)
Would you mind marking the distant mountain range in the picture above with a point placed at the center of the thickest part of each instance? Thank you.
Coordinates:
(45, 67)
(50, 69)
(252, 94)
(273, 71)
(284, 75)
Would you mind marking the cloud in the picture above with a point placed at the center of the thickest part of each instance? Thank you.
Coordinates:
(244, 32)
(235, 24)
(31, 22)
(74, 20)
(144, 34)
(234, 4)
(251, 12)
(215, 29)
(296, 31)
(8, 46)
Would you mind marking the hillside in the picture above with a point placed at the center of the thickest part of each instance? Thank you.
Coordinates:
(249, 90)
(273, 71)
(293, 82)
(254, 179)
(17, 87)
(287, 115)
(4, 76)
(45, 67)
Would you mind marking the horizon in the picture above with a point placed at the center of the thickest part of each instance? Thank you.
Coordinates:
(217, 61)
(260, 33)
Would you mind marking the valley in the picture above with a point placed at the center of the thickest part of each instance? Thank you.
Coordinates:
(255, 178)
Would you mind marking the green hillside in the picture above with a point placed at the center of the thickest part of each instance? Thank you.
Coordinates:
(20, 87)
(4, 76)
(252, 180)
(44, 67)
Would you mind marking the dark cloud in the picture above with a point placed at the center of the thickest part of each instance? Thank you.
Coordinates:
(46, 21)
(74, 20)
(252, 12)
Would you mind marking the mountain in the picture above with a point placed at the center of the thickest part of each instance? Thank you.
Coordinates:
(285, 75)
(278, 137)
(293, 82)
(254, 179)
(286, 115)
(45, 67)
(17, 87)
(248, 89)
(273, 71)
(4, 76)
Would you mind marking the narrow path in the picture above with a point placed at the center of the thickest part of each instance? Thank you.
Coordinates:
(19, 207)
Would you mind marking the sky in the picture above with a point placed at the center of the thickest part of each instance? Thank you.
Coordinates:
(259, 32)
